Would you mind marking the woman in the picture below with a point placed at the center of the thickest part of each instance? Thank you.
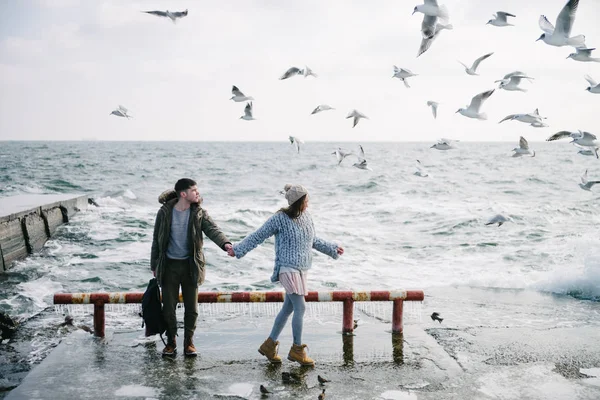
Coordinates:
(294, 240)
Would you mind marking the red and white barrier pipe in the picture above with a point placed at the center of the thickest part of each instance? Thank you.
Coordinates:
(346, 297)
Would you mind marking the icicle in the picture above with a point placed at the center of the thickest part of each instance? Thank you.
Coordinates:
(413, 311)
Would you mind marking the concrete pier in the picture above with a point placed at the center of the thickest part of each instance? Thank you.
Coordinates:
(430, 361)
(125, 365)
(27, 221)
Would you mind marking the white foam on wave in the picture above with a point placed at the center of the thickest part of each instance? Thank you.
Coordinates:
(129, 252)
(583, 283)
(56, 248)
(102, 232)
(34, 189)
(118, 201)
(108, 203)
(40, 290)
(127, 193)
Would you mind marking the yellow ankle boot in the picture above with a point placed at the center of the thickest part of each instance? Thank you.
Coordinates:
(298, 353)
(269, 350)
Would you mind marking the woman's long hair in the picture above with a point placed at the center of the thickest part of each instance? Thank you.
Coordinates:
(295, 209)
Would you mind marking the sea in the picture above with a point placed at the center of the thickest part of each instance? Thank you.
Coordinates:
(399, 229)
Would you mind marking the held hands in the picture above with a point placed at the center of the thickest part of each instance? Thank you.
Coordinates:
(340, 250)
(229, 249)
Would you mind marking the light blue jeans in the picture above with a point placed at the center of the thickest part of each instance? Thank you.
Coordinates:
(292, 303)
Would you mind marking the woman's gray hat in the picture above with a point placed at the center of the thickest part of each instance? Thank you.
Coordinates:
(294, 192)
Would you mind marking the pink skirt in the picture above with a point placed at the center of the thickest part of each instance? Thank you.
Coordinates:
(294, 282)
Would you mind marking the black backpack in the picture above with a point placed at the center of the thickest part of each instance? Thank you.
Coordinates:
(152, 311)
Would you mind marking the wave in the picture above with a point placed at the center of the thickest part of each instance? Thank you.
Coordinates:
(583, 285)
(369, 185)
(534, 179)
(310, 167)
(62, 186)
(238, 222)
(37, 294)
(257, 213)
(126, 193)
(121, 199)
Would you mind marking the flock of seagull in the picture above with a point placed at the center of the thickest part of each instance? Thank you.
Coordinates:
(435, 20)
(435, 15)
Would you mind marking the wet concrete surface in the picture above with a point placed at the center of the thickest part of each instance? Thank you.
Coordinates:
(429, 361)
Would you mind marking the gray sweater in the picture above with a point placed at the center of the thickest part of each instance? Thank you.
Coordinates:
(294, 241)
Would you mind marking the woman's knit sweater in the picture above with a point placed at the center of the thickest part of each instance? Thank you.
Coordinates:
(294, 239)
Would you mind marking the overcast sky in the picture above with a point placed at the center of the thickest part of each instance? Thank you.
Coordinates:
(66, 64)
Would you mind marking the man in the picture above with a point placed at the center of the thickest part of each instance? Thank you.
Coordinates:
(177, 258)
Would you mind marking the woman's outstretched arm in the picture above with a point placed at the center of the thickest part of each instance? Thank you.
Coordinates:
(251, 241)
(331, 249)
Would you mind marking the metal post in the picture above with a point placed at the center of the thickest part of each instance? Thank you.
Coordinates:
(348, 320)
(99, 319)
(397, 316)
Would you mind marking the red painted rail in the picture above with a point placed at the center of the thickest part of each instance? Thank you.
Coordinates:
(346, 297)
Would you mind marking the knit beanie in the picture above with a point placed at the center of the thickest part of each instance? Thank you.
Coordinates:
(294, 192)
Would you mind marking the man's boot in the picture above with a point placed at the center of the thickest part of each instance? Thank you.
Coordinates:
(269, 350)
(171, 347)
(189, 350)
(298, 354)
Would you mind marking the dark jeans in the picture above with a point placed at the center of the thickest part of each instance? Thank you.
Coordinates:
(177, 273)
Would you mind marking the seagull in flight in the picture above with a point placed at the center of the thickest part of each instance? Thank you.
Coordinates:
(512, 80)
(293, 71)
(357, 115)
(585, 184)
(472, 111)
(322, 107)
(172, 15)
(296, 142)
(594, 86)
(472, 70)
(581, 138)
(238, 96)
(531, 118)
(362, 162)
(444, 144)
(560, 36)
(583, 54)
(340, 154)
(121, 112)
(403, 74)
(248, 112)
(500, 19)
(523, 149)
(430, 30)
(431, 8)
(434, 106)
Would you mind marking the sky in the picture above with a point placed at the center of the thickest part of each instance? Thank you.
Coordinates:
(66, 64)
